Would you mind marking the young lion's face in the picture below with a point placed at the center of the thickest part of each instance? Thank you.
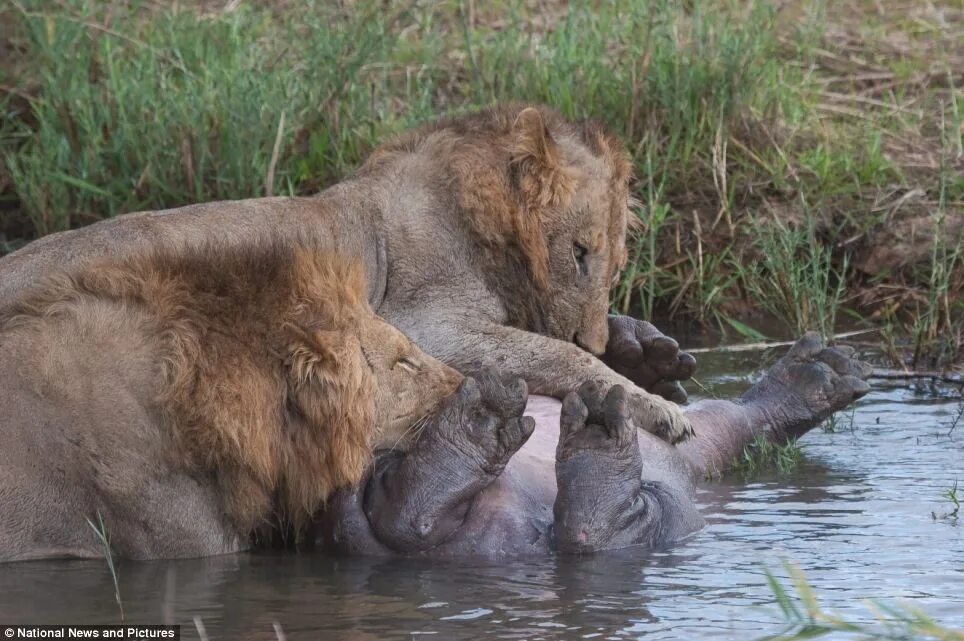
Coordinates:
(566, 215)
(546, 200)
(586, 239)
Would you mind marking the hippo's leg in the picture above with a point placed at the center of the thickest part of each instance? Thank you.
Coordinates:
(602, 501)
(806, 386)
(647, 357)
(417, 499)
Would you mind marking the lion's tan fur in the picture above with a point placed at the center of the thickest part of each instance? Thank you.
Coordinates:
(491, 239)
(512, 209)
(264, 384)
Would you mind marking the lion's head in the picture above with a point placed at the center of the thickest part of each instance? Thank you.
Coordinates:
(355, 383)
(548, 199)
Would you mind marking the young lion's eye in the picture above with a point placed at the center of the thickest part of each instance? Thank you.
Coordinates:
(579, 253)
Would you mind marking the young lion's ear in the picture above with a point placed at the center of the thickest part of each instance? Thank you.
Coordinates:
(536, 164)
(532, 140)
(541, 181)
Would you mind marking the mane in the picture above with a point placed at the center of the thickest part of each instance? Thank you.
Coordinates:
(262, 384)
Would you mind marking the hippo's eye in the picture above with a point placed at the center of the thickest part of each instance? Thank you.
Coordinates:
(409, 365)
(579, 253)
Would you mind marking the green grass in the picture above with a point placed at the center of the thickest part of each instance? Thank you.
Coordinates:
(935, 326)
(795, 278)
(735, 114)
(805, 618)
(840, 420)
(150, 113)
(950, 495)
(762, 456)
(103, 536)
(179, 110)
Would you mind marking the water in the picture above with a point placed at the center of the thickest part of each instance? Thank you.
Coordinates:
(855, 516)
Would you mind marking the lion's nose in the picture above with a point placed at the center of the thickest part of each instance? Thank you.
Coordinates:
(593, 341)
(450, 378)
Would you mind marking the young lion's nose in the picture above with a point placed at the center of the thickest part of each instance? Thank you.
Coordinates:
(593, 339)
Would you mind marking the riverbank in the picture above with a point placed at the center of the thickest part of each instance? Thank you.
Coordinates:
(804, 163)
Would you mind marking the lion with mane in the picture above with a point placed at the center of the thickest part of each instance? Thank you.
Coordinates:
(190, 398)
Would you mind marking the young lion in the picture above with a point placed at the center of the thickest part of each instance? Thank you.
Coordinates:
(188, 398)
(491, 239)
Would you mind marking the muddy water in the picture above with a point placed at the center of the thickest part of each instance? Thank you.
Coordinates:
(856, 516)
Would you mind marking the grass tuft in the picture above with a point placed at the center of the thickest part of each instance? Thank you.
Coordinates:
(834, 422)
(805, 618)
(103, 536)
(762, 456)
(795, 279)
(951, 495)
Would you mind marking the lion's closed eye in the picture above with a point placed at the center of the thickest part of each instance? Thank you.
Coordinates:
(579, 256)
(409, 365)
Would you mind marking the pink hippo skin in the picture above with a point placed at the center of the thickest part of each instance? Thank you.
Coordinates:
(496, 474)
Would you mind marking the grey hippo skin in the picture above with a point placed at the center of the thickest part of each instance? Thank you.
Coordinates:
(493, 475)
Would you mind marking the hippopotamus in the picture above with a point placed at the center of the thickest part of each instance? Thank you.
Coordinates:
(495, 472)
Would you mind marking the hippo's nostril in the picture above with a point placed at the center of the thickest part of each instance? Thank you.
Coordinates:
(424, 528)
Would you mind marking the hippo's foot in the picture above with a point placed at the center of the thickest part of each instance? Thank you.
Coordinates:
(806, 386)
(602, 502)
(417, 499)
(647, 357)
(481, 425)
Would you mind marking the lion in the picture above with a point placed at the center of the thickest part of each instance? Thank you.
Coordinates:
(491, 239)
(191, 399)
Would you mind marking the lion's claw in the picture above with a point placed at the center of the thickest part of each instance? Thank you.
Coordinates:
(660, 417)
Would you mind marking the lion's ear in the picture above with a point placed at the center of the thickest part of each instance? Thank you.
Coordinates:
(541, 181)
(537, 168)
(328, 411)
(531, 139)
(313, 356)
